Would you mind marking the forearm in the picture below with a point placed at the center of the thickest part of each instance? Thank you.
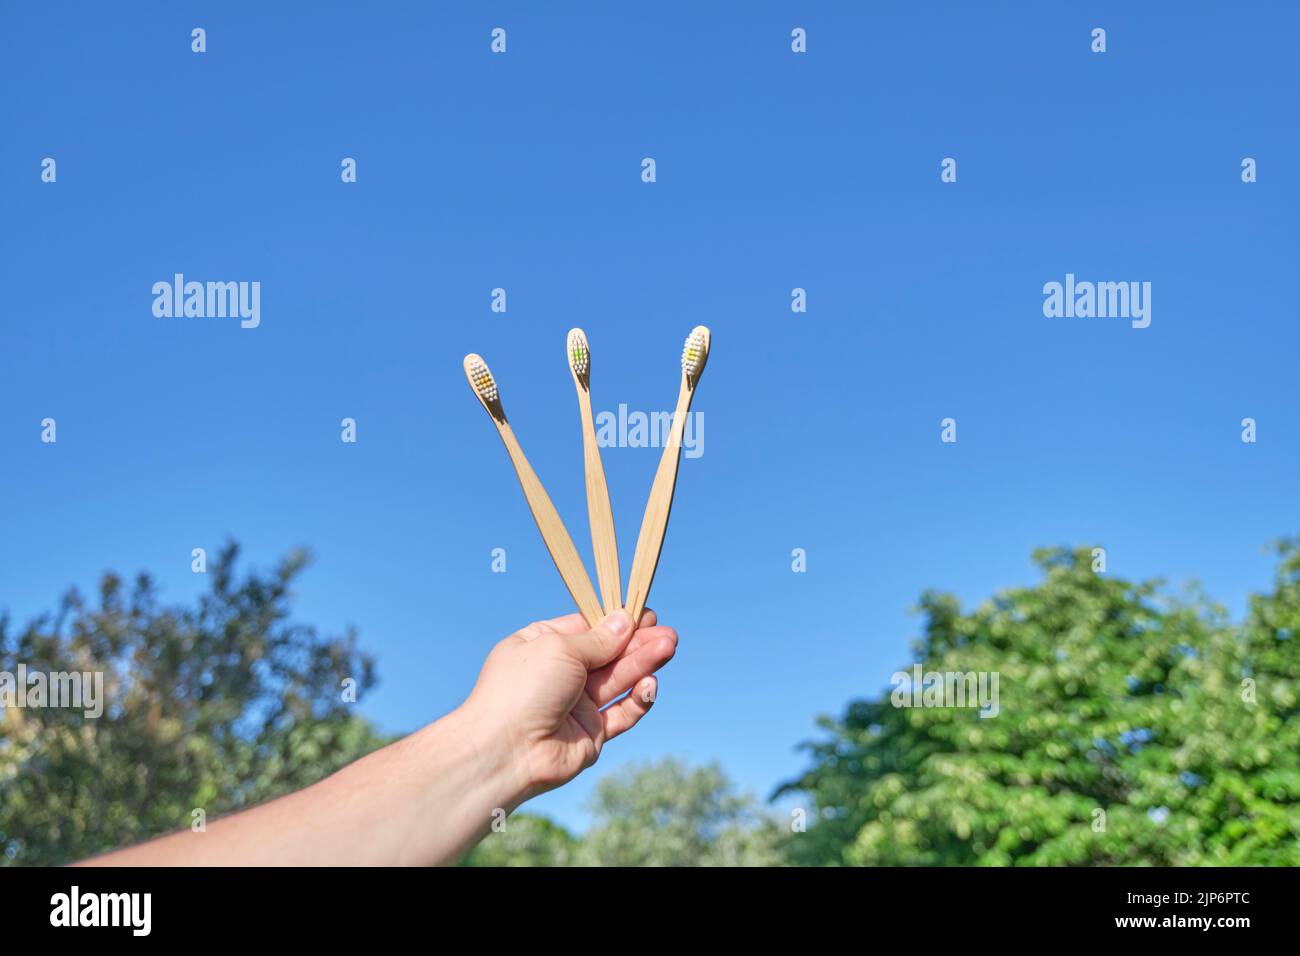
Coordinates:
(423, 800)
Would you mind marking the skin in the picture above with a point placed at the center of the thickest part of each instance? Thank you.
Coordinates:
(547, 700)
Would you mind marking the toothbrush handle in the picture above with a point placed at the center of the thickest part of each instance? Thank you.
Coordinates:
(604, 543)
(554, 534)
(654, 525)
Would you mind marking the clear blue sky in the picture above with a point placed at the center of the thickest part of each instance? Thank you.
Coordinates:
(522, 171)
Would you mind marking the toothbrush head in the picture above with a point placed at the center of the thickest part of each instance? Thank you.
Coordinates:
(695, 353)
(483, 384)
(579, 355)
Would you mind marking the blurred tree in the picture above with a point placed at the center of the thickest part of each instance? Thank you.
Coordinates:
(1245, 753)
(668, 814)
(527, 839)
(1128, 732)
(661, 814)
(210, 708)
(1132, 727)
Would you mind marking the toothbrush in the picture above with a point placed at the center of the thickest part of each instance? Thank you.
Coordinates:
(655, 523)
(603, 542)
(557, 539)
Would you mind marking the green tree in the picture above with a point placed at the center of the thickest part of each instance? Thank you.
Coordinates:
(212, 708)
(525, 839)
(1125, 735)
(660, 814)
(1249, 756)
(668, 814)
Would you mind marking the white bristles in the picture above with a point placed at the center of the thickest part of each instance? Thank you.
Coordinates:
(579, 353)
(695, 352)
(481, 379)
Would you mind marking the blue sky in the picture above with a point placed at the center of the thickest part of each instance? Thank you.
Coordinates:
(522, 171)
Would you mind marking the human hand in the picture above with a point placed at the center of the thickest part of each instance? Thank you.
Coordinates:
(533, 721)
(541, 692)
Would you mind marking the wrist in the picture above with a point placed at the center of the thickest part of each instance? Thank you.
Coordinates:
(497, 769)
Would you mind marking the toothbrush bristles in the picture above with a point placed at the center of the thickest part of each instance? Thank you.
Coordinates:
(695, 352)
(481, 378)
(579, 353)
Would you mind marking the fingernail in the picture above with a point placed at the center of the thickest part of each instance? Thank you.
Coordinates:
(618, 623)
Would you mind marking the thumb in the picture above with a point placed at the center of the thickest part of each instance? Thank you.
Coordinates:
(603, 642)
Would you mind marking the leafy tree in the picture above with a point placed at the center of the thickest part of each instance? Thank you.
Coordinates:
(1132, 727)
(660, 814)
(1249, 756)
(668, 814)
(1125, 735)
(527, 839)
(215, 707)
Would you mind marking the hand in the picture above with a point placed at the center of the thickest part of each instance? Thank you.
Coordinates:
(542, 690)
(533, 721)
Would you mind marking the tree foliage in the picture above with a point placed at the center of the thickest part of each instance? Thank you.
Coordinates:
(659, 814)
(525, 839)
(210, 708)
(669, 814)
(1134, 728)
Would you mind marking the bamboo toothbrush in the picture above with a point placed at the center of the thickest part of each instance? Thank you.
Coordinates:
(557, 539)
(603, 542)
(655, 523)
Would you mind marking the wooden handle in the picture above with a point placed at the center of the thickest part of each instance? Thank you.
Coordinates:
(655, 523)
(554, 534)
(604, 544)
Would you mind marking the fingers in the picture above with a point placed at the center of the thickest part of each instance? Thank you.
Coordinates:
(566, 624)
(603, 642)
(623, 716)
(650, 649)
(639, 636)
(572, 624)
(576, 624)
(587, 714)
